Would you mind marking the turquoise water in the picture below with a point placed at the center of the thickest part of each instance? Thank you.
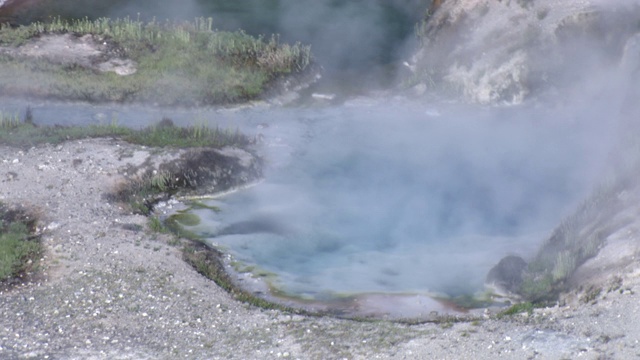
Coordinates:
(375, 195)
(403, 198)
(387, 196)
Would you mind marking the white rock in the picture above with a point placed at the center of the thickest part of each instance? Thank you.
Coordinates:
(54, 225)
(323, 96)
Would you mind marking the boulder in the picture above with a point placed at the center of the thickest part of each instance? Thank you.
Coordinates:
(10, 6)
(205, 171)
(506, 277)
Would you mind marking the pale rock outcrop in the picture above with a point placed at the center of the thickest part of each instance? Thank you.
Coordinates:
(501, 52)
(88, 51)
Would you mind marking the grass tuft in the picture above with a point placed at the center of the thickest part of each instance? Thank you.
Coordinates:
(165, 133)
(9, 121)
(525, 307)
(19, 250)
(156, 225)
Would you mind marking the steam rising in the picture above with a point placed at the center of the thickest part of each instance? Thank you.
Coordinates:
(397, 196)
(392, 198)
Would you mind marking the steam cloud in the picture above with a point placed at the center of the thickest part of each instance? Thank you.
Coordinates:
(399, 196)
(391, 198)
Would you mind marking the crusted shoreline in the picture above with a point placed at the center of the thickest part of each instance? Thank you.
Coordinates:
(109, 288)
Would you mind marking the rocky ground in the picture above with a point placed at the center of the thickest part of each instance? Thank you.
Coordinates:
(87, 51)
(111, 289)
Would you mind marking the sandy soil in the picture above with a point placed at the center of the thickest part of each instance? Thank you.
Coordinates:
(110, 289)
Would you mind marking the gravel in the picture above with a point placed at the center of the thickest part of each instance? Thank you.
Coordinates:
(110, 289)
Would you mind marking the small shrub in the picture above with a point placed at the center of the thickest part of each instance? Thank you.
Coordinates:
(591, 295)
(536, 287)
(161, 181)
(520, 308)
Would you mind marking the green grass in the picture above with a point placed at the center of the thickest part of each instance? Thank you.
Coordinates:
(14, 132)
(186, 218)
(165, 133)
(177, 63)
(139, 194)
(156, 225)
(23, 133)
(19, 252)
(516, 309)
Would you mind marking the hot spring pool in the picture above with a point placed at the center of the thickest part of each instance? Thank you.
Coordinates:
(402, 198)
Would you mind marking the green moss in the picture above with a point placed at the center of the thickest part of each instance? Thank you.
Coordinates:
(138, 194)
(177, 228)
(469, 301)
(207, 262)
(197, 205)
(446, 325)
(186, 219)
